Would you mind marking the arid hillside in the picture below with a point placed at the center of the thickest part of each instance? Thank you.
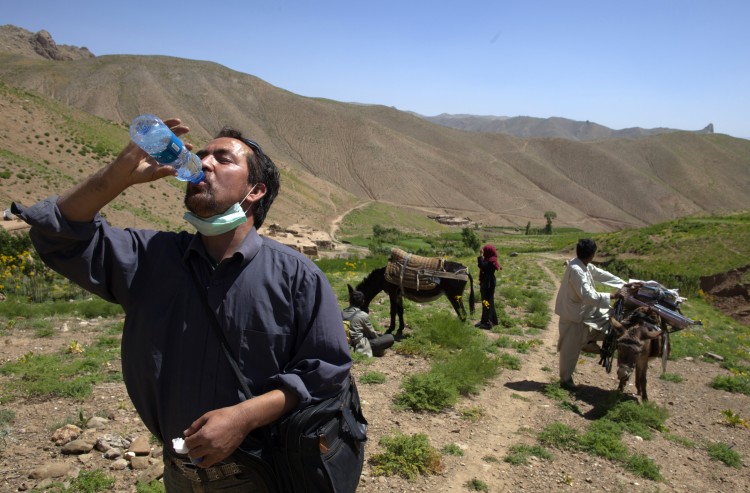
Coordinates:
(336, 155)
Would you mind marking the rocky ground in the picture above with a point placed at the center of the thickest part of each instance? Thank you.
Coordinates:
(513, 408)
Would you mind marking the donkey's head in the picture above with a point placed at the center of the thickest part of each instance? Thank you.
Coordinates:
(633, 336)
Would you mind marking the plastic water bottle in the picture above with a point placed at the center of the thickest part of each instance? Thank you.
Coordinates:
(154, 136)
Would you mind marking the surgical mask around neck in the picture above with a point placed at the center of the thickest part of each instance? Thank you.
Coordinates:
(222, 223)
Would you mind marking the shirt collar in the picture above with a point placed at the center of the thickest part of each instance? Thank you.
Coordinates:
(245, 252)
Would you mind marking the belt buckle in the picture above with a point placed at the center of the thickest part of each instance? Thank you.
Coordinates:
(189, 472)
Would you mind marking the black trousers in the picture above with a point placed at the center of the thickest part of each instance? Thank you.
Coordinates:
(381, 343)
(489, 314)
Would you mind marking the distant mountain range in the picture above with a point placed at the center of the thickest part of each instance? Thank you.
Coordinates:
(528, 127)
(65, 111)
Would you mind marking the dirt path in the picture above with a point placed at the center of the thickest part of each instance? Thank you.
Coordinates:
(509, 405)
(337, 220)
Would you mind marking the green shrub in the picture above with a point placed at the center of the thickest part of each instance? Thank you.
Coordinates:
(467, 370)
(559, 435)
(643, 466)
(477, 485)
(406, 456)
(738, 384)
(509, 361)
(453, 449)
(724, 453)
(603, 439)
(427, 392)
(638, 419)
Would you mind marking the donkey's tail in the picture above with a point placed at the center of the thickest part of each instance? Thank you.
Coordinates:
(471, 294)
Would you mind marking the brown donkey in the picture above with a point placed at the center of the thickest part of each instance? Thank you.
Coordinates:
(641, 336)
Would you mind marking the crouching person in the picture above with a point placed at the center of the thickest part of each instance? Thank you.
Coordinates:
(363, 337)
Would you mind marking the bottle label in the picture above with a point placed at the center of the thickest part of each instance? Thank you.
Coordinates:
(171, 152)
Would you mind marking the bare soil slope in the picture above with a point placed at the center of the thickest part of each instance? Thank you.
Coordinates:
(333, 149)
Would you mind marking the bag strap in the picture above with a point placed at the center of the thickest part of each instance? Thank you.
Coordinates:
(220, 335)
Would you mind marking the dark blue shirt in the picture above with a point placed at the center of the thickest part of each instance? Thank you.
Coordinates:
(276, 307)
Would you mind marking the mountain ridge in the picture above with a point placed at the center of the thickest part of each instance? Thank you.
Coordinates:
(531, 127)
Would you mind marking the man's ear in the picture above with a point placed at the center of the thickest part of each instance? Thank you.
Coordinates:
(257, 192)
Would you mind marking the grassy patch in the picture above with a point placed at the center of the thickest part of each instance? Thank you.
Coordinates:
(603, 438)
(724, 453)
(472, 414)
(152, 487)
(86, 482)
(683, 263)
(559, 436)
(685, 442)
(461, 366)
(71, 372)
(671, 377)
(739, 384)
(373, 377)
(643, 466)
(638, 419)
(519, 454)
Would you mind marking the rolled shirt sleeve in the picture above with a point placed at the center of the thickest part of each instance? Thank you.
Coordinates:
(577, 298)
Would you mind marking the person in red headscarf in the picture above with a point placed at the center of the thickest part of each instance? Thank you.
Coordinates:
(488, 264)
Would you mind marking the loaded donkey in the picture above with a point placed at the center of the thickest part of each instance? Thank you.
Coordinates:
(641, 336)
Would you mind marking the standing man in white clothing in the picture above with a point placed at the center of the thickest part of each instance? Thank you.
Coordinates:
(583, 311)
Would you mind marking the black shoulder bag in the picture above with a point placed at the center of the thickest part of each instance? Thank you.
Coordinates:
(318, 449)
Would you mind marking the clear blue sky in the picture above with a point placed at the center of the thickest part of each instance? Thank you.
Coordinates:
(656, 63)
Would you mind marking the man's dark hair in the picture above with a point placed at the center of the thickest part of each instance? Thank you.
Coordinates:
(260, 170)
(357, 298)
(586, 248)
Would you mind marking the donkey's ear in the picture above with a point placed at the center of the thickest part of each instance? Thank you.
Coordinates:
(351, 289)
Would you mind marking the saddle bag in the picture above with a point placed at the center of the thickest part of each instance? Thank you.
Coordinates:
(321, 448)
(413, 271)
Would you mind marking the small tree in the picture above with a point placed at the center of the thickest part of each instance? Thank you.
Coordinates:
(470, 239)
(549, 216)
(528, 228)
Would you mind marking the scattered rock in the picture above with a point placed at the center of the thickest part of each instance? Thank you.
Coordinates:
(119, 465)
(97, 422)
(66, 434)
(140, 463)
(113, 453)
(77, 447)
(152, 473)
(140, 446)
(51, 470)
